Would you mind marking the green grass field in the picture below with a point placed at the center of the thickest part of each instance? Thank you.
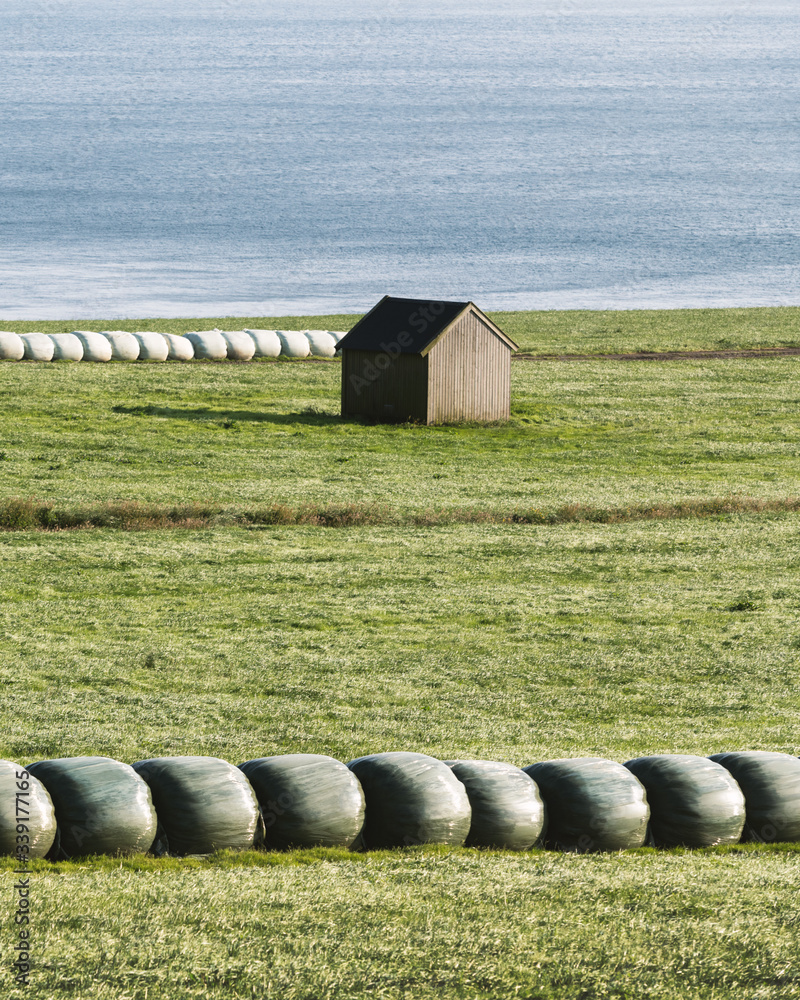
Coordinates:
(517, 642)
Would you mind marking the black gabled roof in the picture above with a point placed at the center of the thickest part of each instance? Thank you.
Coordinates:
(416, 322)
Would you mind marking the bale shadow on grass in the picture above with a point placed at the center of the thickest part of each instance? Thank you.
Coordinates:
(311, 416)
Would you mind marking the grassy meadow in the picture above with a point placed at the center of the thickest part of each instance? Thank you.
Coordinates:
(510, 641)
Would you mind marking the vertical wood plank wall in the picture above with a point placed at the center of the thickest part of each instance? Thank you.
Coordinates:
(469, 375)
(396, 389)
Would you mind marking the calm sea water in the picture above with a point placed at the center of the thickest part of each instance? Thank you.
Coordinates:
(251, 157)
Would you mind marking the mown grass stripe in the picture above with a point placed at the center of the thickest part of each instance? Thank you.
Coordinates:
(22, 514)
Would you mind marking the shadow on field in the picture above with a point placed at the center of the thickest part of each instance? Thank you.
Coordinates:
(317, 418)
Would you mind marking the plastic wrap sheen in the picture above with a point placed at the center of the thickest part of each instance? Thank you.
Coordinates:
(693, 801)
(771, 786)
(507, 810)
(294, 344)
(411, 799)
(209, 345)
(239, 345)
(204, 804)
(306, 800)
(102, 805)
(124, 346)
(12, 347)
(38, 346)
(35, 801)
(267, 343)
(152, 346)
(66, 347)
(592, 804)
(95, 346)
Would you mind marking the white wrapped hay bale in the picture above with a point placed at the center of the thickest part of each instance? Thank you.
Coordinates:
(336, 334)
(267, 343)
(180, 348)
(239, 345)
(771, 786)
(204, 804)
(592, 804)
(306, 800)
(294, 344)
(693, 801)
(507, 810)
(95, 346)
(152, 346)
(102, 805)
(12, 347)
(209, 345)
(411, 799)
(36, 813)
(66, 347)
(38, 346)
(124, 346)
(322, 344)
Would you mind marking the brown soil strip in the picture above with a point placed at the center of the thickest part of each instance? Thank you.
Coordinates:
(756, 352)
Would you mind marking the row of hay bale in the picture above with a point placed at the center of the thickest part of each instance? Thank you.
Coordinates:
(196, 805)
(205, 345)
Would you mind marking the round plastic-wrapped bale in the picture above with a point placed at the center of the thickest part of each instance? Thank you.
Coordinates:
(124, 346)
(152, 346)
(294, 344)
(24, 801)
(322, 344)
(507, 810)
(238, 344)
(771, 786)
(180, 348)
(693, 801)
(267, 343)
(12, 347)
(204, 804)
(209, 345)
(66, 347)
(95, 346)
(411, 799)
(592, 804)
(102, 805)
(37, 346)
(307, 800)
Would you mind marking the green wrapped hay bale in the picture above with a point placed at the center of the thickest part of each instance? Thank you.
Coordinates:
(27, 822)
(693, 801)
(102, 805)
(411, 799)
(592, 804)
(306, 800)
(771, 786)
(507, 810)
(204, 804)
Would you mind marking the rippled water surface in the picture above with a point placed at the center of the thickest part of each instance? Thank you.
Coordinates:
(213, 157)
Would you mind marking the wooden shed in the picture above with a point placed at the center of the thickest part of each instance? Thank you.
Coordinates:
(428, 361)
